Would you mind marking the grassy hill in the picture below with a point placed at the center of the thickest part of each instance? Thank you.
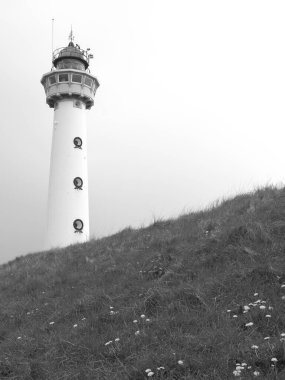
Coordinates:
(199, 297)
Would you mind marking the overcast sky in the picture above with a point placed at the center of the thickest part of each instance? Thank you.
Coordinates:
(190, 107)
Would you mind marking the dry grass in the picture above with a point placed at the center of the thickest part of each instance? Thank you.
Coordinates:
(176, 278)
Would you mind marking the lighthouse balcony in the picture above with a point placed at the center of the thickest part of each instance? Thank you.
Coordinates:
(69, 83)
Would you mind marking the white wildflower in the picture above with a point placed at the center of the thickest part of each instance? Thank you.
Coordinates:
(142, 316)
(274, 360)
(19, 337)
(256, 373)
(107, 343)
(117, 339)
(249, 324)
(137, 332)
(235, 316)
(51, 323)
(262, 307)
(254, 346)
(255, 294)
(268, 316)
(148, 370)
(236, 373)
(135, 321)
(147, 320)
(228, 311)
(150, 374)
(180, 362)
(267, 337)
(75, 325)
(283, 286)
(282, 334)
(246, 307)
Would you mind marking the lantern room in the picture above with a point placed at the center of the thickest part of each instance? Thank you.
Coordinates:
(71, 57)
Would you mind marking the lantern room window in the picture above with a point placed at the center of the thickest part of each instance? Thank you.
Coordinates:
(76, 78)
(88, 82)
(70, 63)
(63, 77)
(52, 79)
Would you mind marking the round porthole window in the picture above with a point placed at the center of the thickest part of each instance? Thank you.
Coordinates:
(78, 183)
(77, 103)
(78, 225)
(77, 142)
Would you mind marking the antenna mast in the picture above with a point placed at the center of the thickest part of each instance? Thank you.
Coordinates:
(52, 24)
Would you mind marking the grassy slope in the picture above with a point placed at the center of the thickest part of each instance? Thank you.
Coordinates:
(183, 275)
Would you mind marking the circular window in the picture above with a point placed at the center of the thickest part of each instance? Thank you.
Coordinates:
(78, 225)
(77, 104)
(78, 183)
(77, 142)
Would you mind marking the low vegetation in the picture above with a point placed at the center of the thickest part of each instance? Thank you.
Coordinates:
(199, 297)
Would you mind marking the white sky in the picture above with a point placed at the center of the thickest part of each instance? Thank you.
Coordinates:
(190, 107)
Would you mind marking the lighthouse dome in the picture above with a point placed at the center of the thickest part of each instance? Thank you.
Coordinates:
(70, 57)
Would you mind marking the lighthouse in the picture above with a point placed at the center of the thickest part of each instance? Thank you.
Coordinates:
(70, 89)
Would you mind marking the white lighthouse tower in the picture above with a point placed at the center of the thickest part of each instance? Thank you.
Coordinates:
(70, 91)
